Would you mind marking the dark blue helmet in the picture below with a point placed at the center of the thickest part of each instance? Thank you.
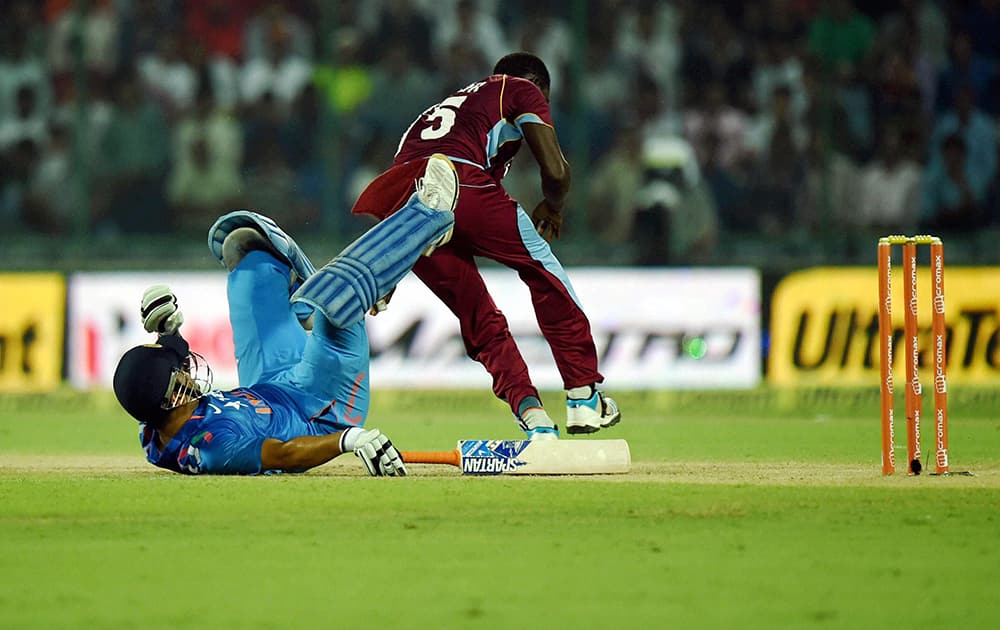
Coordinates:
(155, 378)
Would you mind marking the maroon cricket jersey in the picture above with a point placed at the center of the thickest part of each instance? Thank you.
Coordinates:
(479, 124)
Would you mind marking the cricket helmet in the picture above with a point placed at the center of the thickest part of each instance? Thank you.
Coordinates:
(155, 378)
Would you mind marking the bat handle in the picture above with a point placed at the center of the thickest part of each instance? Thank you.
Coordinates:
(452, 457)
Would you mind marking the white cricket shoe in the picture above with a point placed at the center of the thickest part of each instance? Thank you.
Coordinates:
(438, 189)
(537, 425)
(589, 415)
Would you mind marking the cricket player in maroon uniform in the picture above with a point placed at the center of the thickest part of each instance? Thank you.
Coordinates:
(480, 128)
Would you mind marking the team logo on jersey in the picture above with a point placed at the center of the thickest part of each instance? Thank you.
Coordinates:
(189, 460)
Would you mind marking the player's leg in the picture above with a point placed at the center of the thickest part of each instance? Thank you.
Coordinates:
(513, 241)
(369, 268)
(452, 276)
(330, 384)
(266, 333)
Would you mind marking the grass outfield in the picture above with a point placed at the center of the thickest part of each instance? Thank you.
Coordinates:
(742, 510)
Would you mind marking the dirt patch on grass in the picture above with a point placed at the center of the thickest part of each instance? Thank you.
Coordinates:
(724, 473)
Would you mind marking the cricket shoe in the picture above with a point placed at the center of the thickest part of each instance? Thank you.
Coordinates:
(278, 242)
(438, 190)
(589, 415)
(238, 233)
(537, 425)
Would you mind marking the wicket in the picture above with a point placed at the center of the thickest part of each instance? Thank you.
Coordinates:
(914, 393)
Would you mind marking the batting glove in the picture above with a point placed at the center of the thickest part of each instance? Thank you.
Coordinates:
(160, 313)
(374, 450)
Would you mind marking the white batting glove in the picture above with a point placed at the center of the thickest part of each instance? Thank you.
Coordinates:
(374, 450)
(160, 313)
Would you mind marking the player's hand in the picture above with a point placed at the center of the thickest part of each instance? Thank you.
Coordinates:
(375, 451)
(547, 220)
(160, 313)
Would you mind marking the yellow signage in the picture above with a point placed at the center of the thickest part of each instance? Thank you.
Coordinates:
(824, 326)
(32, 314)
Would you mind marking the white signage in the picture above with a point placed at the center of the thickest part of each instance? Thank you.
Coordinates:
(653, 328)
(103, 322)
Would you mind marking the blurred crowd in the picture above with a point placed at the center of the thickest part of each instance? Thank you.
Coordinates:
(685, 121)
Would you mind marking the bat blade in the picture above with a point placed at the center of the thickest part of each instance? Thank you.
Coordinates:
(550, 457)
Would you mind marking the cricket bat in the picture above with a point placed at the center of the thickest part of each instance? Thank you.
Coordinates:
(524, 457)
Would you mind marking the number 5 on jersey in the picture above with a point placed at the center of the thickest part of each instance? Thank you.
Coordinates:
(442, 118)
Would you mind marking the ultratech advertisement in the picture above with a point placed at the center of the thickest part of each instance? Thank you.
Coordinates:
(653, 328)
(824, 326)
(31, 331)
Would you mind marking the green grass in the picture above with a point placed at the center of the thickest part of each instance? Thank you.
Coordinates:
(136, 547)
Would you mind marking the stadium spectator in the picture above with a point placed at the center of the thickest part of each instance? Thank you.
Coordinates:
(826, 196)
(965, 68)
(954, 191)
(20, 68)
(615, 181)
(18, 165)
(648, 41)
(218, 25)
(977, 129)
(922, 25)
(167, 76)
(302, 138)
(205, 175)
(215, 72)
(460, 65)
(890, 187)
(272, 20)
(281, 71)
(981, 19)
(129, 191)
(23, 27)
(346, 82)
(714, 116)
(714, 49)
(776, 141)
(728, 187)
(272, 184)
(99, 33)
(143, 22)
(841, 36)
(675, 216)
(399, 89)
(55, 192)
(399, 22)
(778, 65)
(509, 105)
(27, 121)
(547, 34)
(898, 96)
(473, 27)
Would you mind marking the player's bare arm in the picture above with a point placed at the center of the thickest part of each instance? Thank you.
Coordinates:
(375, 450)
(556, 178)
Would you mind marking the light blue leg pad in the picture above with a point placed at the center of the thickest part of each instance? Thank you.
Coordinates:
(350, 284)
(282, 242)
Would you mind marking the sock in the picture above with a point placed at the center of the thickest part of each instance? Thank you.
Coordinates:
(536, 417)
(527, 403)
(580, 393)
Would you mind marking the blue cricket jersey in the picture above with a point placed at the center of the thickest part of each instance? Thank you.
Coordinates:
(227, 429)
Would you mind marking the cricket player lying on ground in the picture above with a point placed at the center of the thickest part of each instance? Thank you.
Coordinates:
(304, 397)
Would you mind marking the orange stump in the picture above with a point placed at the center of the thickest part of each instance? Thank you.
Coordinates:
(911, 339)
